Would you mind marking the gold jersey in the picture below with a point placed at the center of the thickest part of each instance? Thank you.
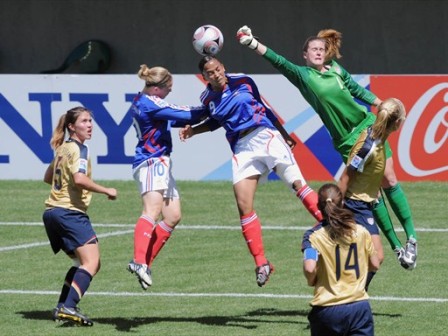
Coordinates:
(341, 269)
(70, 158)
(367, 160)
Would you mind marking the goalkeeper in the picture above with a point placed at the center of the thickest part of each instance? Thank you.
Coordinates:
(329, 89)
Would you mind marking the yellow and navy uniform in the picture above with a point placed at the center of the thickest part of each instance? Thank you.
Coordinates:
(367, 160)
(70, 158)
(341, 268)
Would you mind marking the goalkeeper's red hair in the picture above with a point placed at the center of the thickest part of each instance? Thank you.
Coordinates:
(333, 40)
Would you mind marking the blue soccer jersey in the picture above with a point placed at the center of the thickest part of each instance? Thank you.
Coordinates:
(237, 108)
(152, 119)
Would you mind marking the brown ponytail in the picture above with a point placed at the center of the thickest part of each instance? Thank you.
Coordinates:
(341, 222)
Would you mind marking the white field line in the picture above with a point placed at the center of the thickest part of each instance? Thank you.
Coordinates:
(24, 246)
(180, 227)
(225, 295)
(192, 227)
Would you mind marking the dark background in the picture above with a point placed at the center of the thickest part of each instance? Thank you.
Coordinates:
(379, 37)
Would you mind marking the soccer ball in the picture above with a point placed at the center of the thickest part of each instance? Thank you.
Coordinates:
(208, 40)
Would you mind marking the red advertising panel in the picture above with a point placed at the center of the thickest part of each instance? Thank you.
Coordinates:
(421, 146)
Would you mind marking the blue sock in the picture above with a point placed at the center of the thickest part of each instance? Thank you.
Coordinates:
(80, 284)
(67, 285)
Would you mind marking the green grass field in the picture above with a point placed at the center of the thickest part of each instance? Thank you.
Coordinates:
(204, 282)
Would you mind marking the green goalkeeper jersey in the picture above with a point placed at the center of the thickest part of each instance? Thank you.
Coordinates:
(331, 95)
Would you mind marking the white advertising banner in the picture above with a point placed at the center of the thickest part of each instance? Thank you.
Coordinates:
(30, 106)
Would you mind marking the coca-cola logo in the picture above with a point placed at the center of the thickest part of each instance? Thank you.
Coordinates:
(422, 144)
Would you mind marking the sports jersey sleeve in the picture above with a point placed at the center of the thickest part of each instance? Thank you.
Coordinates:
(180, 115)
(308, 250)
(212, 124)
(355, 89)
(293, 72)
(354, 161)
(78, 160)
(198, 114)
(306, 241)
(83, 163)
(361, 151)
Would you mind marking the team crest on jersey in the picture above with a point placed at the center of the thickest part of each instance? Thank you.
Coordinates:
(370, 221)
(337, 69)
(356, 161)
(83, 165)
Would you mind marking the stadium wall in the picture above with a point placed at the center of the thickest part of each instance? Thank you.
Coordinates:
(380, 37)
(30, 106)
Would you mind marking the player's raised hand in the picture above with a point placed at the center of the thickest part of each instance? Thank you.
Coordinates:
(245, 37)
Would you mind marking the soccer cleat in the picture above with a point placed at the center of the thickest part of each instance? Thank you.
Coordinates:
(73, 315)
(54, 314)
(399, 251)
(144, 285)
(410, 253)
(263, 272)
(142, 272)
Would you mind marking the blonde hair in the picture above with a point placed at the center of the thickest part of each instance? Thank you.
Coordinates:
(66, 119)
(341, 223)
(155, 76)
(390, 111)
(333, 41)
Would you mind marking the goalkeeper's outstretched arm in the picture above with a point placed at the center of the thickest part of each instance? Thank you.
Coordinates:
(245, 37)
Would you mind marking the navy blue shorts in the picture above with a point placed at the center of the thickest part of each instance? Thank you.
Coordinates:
(345, 319)
(68, 229)
(363, 214)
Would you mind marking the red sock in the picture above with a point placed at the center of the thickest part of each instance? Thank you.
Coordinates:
(309, 199)
(251, 227)
(142, 235)
(160, 235)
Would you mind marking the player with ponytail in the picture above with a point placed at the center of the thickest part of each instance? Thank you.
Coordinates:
(153, 117)
(338, 253)
(361, 179)
(67, 224)
(330, 90)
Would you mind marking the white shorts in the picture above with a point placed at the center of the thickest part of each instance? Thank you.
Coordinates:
(155, 175)
(262, 150)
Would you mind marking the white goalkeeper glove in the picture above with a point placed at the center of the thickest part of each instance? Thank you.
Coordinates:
(245, 37)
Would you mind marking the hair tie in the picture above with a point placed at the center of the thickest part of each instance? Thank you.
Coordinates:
(329, 200)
